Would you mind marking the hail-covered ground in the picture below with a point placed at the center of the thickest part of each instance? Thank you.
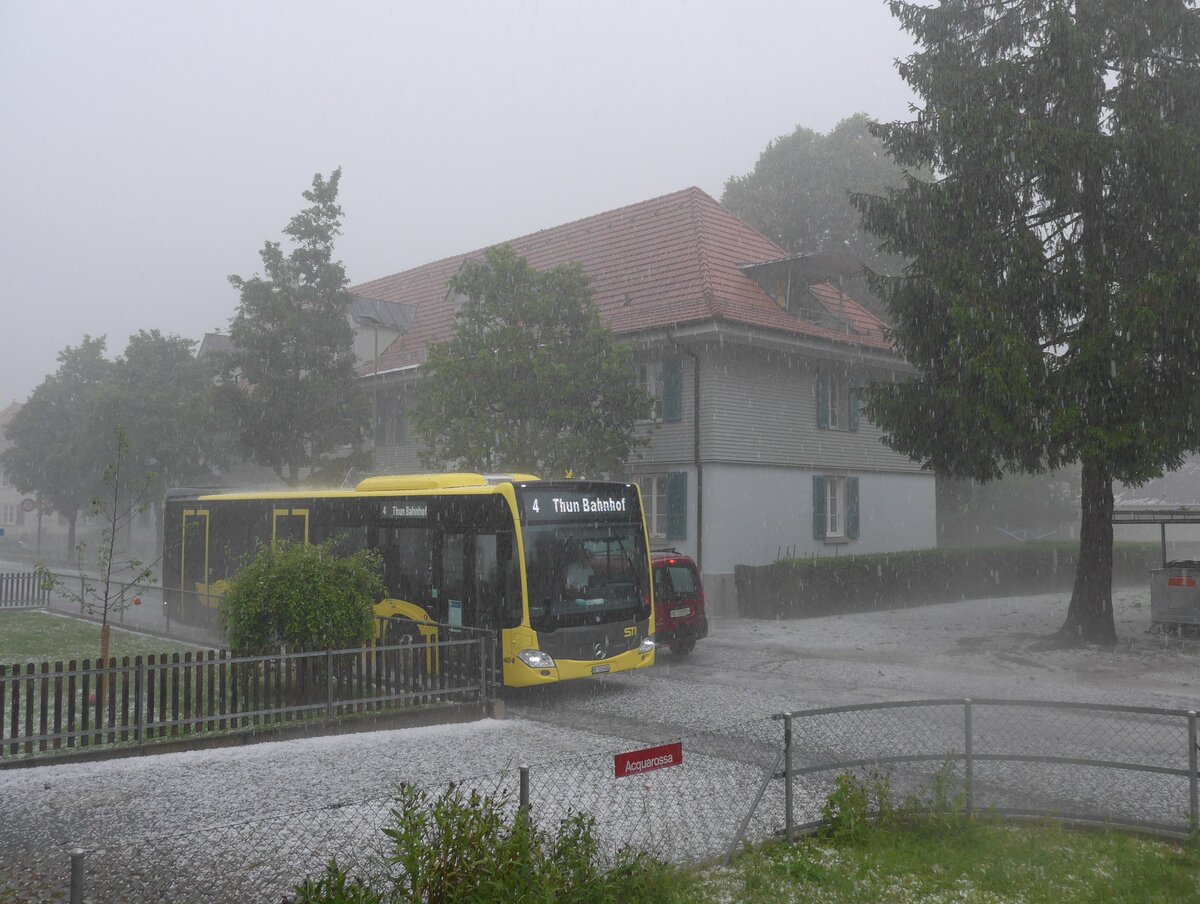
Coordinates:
(719, 700)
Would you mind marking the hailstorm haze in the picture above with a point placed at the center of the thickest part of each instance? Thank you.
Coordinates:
(150, 149)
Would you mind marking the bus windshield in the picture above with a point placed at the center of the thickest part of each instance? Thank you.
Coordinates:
(585, 574)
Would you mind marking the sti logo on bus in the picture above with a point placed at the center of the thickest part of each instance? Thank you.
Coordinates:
(405, 510)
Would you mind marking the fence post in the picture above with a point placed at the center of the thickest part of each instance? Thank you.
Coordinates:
(523, 806)
(328, 685)
(968, 755)
(1193, 796)
(139, 689)
(787, 777)
(77, 876)
(484, 666)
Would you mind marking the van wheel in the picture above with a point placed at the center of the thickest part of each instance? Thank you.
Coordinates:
(683, 647)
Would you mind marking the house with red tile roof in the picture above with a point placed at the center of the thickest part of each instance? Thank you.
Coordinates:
(757, 445)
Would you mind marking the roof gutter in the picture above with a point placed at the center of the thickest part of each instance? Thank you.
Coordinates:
(787, 342)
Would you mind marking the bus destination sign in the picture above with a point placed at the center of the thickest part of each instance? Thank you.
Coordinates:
(405, 509)
(540, 506)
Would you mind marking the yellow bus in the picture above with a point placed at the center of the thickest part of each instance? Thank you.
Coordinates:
(559, 571)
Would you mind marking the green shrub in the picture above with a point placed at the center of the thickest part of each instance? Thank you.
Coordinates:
(302, 597)
(794, 588)
(472, 849)
(858, 806)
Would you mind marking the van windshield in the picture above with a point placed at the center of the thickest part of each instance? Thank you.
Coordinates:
(585, 574)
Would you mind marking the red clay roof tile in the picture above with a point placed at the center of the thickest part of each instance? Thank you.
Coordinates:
(659, 263)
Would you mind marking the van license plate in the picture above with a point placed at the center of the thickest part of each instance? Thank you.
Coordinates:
(601, 669)
(680, 613)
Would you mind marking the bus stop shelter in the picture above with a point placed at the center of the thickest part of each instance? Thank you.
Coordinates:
(1175, 587)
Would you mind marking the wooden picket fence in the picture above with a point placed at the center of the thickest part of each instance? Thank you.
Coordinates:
(46, 708)
(23, 590)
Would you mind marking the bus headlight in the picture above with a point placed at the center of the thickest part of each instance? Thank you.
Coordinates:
(647, 646)
(536, 659)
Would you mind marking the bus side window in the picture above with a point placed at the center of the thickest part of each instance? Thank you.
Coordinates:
(408, 563)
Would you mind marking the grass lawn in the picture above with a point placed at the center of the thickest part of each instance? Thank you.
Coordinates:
(36, 636)
(1043, 864)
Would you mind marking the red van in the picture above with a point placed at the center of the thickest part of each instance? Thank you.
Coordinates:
(679, 619)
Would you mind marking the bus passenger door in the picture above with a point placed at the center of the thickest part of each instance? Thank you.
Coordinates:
(193, 561)
(457, 588)
(289, 526)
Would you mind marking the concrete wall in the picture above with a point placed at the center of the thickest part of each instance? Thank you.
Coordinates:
(755, 515)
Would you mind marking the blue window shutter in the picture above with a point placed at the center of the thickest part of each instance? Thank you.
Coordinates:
(823, 402)
(852, 423)
(819, 500)
(852, 508)
(672, 375)
(677, 505)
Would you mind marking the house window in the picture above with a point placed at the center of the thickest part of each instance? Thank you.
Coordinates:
(835, 508)
(835, 512)
(650, 377)
(837, 403)
(391, 422)
(663, 382)
(664, 497)
(8, 514)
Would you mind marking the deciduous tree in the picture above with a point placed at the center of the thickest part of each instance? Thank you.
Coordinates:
(291, 383)
(163, 402)
(1052, 304)
(531, 380)
(799, 192)
(54, 435)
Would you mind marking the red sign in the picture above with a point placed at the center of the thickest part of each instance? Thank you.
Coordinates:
(1181, 582)
(27, 505)
(638, 761)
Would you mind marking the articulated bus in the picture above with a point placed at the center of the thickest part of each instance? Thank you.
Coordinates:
(558, 570)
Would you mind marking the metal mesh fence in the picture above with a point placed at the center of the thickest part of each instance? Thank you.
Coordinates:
(1122, 765)
(685, 813)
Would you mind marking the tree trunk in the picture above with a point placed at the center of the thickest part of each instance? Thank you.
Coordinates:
(1090, 615)
(102, 683)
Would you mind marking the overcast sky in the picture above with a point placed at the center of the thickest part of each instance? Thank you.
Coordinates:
(150, 148)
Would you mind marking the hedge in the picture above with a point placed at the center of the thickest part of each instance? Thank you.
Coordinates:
(795, 588)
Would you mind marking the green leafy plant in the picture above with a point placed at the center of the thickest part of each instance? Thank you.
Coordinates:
(857, 807)
(302, 597)
(463, 847)
(334, 887)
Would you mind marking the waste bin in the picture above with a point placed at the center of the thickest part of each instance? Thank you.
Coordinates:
(1175, 597)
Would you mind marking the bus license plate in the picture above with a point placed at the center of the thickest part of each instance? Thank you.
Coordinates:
(601, 669)
(680, 613)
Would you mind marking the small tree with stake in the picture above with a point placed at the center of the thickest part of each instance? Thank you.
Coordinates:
(105, 594)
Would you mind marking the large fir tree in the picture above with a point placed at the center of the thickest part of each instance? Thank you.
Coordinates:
(1052, 305)
(291, 380)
